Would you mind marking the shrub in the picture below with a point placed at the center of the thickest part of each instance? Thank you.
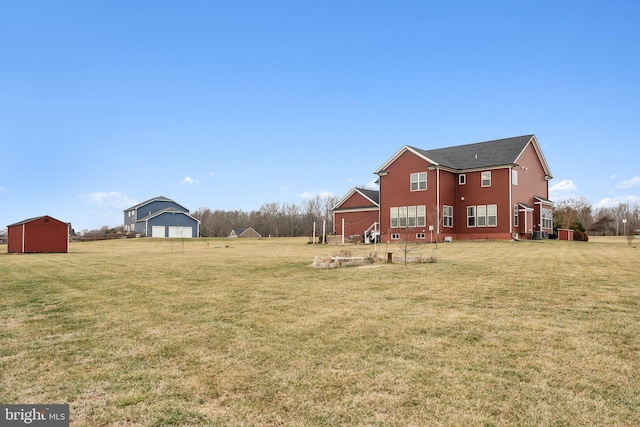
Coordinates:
(580, 236)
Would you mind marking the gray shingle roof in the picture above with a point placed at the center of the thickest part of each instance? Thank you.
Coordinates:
(371, 194)
(479, 155)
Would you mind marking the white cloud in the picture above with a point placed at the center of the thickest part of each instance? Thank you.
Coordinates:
(616, 201)
(109, 198)
(189, 180)
(630, 183)
(312, 194)
(564, 188)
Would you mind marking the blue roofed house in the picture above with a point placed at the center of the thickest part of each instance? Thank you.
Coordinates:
(160, 217)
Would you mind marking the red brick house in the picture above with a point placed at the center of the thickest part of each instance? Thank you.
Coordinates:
(488, 190)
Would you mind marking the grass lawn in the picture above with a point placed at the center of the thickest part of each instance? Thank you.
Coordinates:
(156, 332)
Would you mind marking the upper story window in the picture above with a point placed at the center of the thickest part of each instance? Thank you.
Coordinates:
(514, 177)
(418, 181)
(462, 179)
(486, 179)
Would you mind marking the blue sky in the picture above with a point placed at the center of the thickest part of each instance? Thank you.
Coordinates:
(230, 105)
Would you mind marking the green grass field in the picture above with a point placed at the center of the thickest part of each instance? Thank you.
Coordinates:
(156, 332)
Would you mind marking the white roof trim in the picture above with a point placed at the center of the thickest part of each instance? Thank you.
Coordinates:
(543, 161)
(383, 169)
(351, 193)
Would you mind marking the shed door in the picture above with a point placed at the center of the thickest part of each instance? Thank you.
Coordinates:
(157, 231)
(175, 231)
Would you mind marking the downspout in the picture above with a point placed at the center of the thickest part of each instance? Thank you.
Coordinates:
(437, 205)
(511, 202)
(23, 231)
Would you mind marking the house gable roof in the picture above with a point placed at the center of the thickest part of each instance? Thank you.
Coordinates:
(240, 231)
(372, 195)
(480, 155)
(155, 199)
(166, 210)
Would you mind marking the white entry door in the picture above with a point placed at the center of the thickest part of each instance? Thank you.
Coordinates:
(157, 231)
(186, 232)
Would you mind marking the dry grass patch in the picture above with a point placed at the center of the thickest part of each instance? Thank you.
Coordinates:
(235, 332)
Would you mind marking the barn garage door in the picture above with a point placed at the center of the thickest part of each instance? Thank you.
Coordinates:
(180, 231)
(157, 231)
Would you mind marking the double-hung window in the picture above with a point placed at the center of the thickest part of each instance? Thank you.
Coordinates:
(411, 219)
(447, 216)
(408, 216)
(418, 181)
(486, 179)
(421, 216)
(482, 216)
(394, 218)
(547, 218)
(492, 215)
(402, 216)
(515, 215)
(471, 216)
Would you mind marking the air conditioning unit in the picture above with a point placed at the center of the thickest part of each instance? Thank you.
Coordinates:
(448, 239)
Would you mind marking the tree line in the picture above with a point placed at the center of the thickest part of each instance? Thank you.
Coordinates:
(578, 214)
(272, 219)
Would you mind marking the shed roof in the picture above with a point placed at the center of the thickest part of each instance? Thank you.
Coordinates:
(26, 221)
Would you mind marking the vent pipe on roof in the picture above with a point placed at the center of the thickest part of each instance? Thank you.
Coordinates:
(476, 157)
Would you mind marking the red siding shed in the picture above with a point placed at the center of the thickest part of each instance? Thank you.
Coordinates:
(36, 235)
(565, 234)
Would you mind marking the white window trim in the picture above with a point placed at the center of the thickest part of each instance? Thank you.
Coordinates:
(485, 217)
(481, 215)
(514, 177)
(421, 216)
(393, 217)
(445, 216)
(482, 178)
(471, 215)
(494, 209)
(462, 179)
(408, 216)
(416, 178)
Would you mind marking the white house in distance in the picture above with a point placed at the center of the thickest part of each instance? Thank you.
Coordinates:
(244, 233)
(160, 217)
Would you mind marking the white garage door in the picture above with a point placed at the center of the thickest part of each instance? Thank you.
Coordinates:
(157, 231)
(180, 231)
